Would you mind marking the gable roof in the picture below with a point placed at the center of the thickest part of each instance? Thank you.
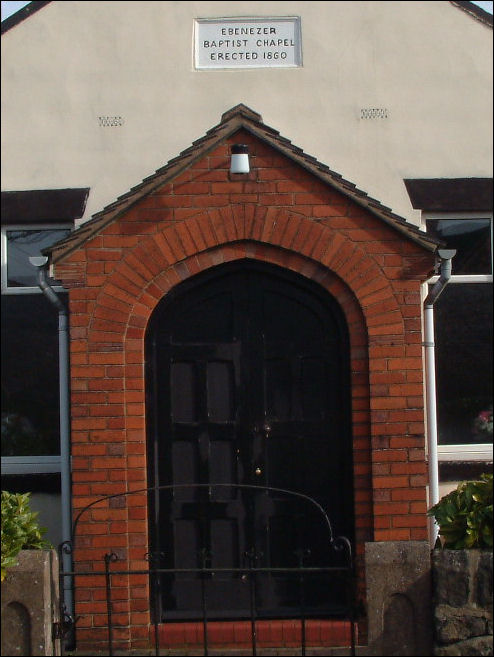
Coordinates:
(23, 13)
(476, 12)
(238, 118)
(13, 20)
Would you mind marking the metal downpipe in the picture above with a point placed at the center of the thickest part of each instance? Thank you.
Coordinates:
(445, 269)
(64, 399)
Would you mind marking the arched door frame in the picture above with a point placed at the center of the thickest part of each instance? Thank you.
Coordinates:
(246, 319)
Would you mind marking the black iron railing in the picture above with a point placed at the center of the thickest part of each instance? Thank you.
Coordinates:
(205, 575)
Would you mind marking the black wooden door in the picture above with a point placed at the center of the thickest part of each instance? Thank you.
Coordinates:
(247, 382)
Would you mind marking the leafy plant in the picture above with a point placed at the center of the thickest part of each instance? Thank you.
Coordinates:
(20, 529)
(464, 516)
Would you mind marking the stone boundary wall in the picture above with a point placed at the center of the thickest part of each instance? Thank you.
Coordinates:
(462, 583)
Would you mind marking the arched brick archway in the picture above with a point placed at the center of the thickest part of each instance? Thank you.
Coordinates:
(152, 267)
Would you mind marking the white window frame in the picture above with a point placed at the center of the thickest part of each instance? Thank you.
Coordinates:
(42, 464)
(15, 465)
(4, 255)
(470, 451)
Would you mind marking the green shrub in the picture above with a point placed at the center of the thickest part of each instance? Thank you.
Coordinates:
(20, 529)
(464, 516)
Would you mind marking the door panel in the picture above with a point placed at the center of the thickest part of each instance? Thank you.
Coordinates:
(247, 383)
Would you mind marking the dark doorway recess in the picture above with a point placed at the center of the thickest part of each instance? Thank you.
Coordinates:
(248, 383)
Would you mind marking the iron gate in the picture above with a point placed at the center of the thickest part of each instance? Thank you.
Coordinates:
(336, 573)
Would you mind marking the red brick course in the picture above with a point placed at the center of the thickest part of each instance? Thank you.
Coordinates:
(284, 216)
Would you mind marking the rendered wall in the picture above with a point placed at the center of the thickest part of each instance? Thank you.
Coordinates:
(427, 64)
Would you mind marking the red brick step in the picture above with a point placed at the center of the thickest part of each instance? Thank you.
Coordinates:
(270, 634)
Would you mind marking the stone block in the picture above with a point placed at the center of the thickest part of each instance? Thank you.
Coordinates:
(451, 577)
(481, 646)
(483, 580)
(399, 597)
(453, 624)
(463, 602)
(30, 605)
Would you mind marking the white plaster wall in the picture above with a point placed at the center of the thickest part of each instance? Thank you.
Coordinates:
(428, 63)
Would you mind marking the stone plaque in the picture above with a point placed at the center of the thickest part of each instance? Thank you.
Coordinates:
(221, 43)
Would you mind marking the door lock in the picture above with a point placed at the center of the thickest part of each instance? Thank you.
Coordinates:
(262, 430)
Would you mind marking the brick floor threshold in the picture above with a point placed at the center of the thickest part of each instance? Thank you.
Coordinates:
(361, 651)
(233, 639)
(270, 634)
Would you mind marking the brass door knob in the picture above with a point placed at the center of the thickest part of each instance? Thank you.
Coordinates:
(258, 471)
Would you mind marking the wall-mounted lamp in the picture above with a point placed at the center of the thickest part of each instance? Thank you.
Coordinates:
(240, 159)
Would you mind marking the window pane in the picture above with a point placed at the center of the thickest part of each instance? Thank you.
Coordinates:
(463, 335)
(472, 240)
(21, 244)
(30, 395)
